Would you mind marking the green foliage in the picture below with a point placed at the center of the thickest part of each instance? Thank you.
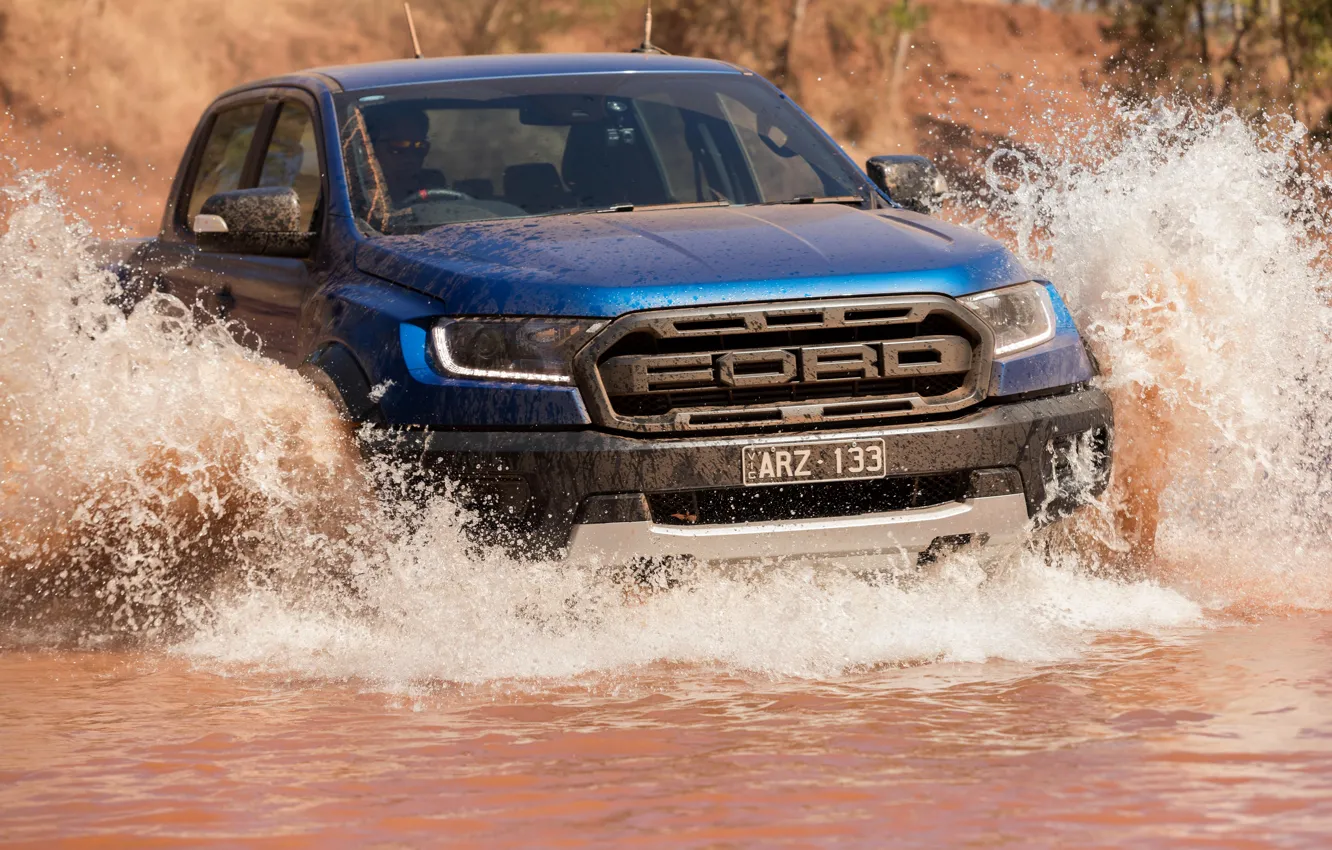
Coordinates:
(1253, 55)
(907, 18)
(1310, 28)
(1156, 47)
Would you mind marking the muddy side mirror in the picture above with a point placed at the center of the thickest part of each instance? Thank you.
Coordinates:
(912, 181)
(253, 221)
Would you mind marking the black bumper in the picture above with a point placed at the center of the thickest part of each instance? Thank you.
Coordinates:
(536, 485)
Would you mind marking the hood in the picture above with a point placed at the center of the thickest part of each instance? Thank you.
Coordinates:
(607, 264)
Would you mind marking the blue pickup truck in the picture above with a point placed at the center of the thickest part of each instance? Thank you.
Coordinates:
(635, 306)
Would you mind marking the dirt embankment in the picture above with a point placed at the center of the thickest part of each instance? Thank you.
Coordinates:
(112, 90)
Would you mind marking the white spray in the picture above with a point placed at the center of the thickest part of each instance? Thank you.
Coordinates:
(127, 441)
(1192, 248)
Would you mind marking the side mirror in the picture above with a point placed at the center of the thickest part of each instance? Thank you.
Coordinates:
(253, 221)
(911, 181)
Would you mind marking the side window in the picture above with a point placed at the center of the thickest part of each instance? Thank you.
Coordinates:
(292, 159)
(224, 154)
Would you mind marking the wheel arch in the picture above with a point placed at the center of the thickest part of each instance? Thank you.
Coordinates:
(335, 369)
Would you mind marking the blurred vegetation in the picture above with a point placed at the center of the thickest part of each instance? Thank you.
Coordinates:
(1253, 55)
(1249, 54)
(123, 82)
(497, 26)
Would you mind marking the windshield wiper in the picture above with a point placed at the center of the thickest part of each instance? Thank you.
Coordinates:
(625, 208)
(814, 199)
(685, 205)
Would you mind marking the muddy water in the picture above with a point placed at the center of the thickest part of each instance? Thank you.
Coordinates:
(1218, 737)
(219, 623)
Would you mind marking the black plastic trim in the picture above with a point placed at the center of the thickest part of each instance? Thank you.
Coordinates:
(567, 468)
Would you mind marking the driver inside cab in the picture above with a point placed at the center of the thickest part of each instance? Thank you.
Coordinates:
(400, 137)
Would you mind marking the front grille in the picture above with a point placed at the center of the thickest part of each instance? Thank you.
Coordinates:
(785, 364)
(807, 501)
(656, 404)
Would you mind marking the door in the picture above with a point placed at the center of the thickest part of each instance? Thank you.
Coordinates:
(259, 297)
(217, 163)
(264, 295)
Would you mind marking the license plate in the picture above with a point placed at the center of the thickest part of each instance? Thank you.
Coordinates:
(791, 463)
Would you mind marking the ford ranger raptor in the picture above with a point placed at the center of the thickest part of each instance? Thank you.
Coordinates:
(636, 306)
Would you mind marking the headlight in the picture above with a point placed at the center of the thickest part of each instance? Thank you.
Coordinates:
(522, 350)
(1021, 316)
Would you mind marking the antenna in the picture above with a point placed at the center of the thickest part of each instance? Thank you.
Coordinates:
(647, 46)
(411, 25)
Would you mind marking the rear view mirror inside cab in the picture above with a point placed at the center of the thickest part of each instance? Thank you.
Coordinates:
(562, 110)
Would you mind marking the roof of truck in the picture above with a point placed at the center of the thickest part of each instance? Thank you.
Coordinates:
(409, 71)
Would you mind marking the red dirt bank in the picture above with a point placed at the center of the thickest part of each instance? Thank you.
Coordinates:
(91, 84)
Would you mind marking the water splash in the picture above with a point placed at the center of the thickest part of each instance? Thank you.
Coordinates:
(143, 454)
(142, 449)
(1193, 249)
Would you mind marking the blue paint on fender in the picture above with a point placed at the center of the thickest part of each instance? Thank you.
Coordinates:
(414, 340)
(465, 402)
(1060, 362)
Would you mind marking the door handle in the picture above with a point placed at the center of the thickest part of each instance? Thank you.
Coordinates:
(226, 302)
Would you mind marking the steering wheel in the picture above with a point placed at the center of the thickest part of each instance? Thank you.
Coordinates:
(425, 196)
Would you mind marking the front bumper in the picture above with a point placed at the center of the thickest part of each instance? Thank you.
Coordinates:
(837, 541)
(585, 494)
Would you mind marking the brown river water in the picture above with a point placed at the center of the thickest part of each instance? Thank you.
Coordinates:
(221, 625)
(1211, 737)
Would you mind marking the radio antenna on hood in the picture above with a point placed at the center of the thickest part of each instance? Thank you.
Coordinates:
(411, 26)
(647, 46)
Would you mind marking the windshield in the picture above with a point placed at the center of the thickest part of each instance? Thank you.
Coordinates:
(423, 156)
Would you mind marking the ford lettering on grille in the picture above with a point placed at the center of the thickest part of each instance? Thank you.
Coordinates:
(765, 366)
(943, 355)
